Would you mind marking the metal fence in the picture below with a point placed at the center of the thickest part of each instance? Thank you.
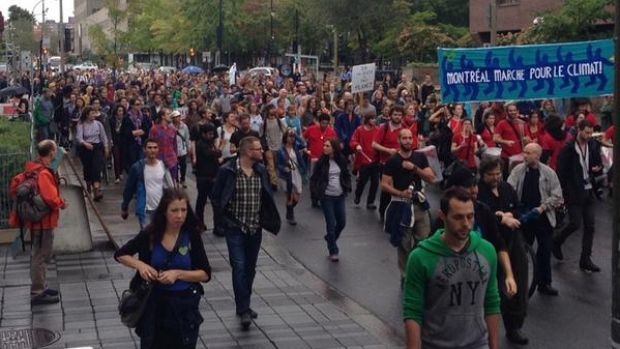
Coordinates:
(10, 165)
(16, 148)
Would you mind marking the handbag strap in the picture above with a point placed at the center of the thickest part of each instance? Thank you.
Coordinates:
(174, 251)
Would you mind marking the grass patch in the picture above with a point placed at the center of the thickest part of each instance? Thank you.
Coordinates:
(15, 136)
(14, 152)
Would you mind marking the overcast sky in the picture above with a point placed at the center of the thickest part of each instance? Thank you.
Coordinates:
(53, 8)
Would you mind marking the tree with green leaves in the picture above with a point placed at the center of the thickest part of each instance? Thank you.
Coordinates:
(112, 44)
(21, 29)
(16, 13)
(366, 21)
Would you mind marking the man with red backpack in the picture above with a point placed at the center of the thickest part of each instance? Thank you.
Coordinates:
(42, 231)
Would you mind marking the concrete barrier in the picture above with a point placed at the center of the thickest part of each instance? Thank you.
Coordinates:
(73, 234)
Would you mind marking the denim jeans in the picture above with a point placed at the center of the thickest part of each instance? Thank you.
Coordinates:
(146, 220)
(43, 131)
(335, 220)
(243, 252)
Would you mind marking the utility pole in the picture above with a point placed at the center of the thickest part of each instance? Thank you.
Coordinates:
(269, 47)
(493, 22)
(335, 51)
(41, 42)
(615, 250)
(219, 34)
(61, 36)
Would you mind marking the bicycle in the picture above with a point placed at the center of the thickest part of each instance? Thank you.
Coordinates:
(530, 255)
(532, 270)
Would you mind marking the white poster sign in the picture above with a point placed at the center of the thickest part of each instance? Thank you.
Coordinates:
(363, 77)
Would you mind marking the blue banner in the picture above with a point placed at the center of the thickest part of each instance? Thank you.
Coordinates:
(577, 69)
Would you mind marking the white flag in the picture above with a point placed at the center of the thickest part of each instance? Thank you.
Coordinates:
(232, 74)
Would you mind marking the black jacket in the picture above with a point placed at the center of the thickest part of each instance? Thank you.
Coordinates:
(207, 159)
(224, 189)
(320, 177)
(570, 171)
(141, 244)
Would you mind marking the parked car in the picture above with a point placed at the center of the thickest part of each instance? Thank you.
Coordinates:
(167, 69)
(85, 66)
(266, 71)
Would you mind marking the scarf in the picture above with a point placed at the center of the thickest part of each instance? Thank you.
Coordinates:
(136, 120)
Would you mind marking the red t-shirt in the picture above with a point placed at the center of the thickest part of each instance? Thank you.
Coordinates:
(538, 135)
(487, 137)
(507, 133)
(388, 138)
(570, 121)
(364, 138)
(466, 153)
(455, 125)
(609, 133)
(553, 146)
(414, 131)
(315, 139)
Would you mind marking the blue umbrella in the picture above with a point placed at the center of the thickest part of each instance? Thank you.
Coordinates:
(192, 69)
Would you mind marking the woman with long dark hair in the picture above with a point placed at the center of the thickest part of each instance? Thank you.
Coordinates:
(329, 183)
(553, 140)
(291, 170)
(92, 146)
(172, 257)
(116, 121)
(134, 131)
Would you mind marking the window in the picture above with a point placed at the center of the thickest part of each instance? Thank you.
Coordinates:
(508, 2)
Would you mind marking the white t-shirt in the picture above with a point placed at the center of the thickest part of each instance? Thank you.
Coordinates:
(333, 185)
(154, 184)
(225, 138)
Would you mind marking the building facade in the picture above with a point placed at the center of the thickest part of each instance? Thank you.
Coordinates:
(89, 13)
(512, 15)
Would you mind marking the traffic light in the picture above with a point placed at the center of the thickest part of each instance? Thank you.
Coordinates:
(191, 52)
(45, 50)
(68, 40)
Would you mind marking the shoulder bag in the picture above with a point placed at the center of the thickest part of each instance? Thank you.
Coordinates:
(133, 302)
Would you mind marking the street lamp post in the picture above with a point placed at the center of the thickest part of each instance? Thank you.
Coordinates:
(42, 33)
(270, 44)
(615, 250)
(220, 38)
(61, 39)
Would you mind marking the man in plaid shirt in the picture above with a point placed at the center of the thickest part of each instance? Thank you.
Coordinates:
(239, 189)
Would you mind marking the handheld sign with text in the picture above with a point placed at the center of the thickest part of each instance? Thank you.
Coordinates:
(575, 69)
(363, 77)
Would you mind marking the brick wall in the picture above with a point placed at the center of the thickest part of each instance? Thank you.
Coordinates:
(510, 16)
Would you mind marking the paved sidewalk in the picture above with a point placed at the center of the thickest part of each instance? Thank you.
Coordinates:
(296, 309)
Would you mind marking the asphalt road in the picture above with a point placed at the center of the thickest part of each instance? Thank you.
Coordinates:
(368, 273)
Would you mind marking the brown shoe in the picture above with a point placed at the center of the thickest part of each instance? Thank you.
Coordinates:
(98, 194)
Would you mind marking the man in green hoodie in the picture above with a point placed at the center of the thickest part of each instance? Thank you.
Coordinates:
(451, 298)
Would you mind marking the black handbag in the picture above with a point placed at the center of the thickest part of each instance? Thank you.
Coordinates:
(133, 302)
